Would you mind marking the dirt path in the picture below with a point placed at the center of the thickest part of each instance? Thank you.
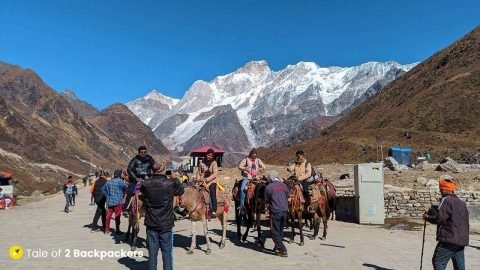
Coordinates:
(43, 225)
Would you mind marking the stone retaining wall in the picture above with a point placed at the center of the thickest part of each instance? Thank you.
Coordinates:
(406, 203)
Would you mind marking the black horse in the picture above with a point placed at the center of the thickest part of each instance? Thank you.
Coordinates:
(252, 211)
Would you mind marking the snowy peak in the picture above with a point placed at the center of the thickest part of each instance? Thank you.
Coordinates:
(255, 67)
(155, 95)
(269, 104)
(153, 108)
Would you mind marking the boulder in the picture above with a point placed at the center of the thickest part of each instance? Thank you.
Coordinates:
(345, 176)
(432, 184)
(391, 163)
(37, 193)
(402, 167)
(423, 165)
(450, 165)
(422, 180)
(476, 178)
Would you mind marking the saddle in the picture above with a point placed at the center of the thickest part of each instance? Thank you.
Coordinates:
(318, 194)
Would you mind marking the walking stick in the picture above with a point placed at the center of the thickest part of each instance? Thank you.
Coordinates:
(423, 243)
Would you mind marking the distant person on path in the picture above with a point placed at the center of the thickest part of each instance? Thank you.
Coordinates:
(207, 175)
(72, 202)
(100, 201)
(6, 198)
(114, 190)
(157, 195)
(301, 170)
(250, 168)
(69, 189)
(276, 199)
(140, 167)
(452, 228)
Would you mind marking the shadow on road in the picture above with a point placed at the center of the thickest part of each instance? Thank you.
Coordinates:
(376, 267)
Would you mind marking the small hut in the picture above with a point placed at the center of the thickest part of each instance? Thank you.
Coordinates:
(198, 154)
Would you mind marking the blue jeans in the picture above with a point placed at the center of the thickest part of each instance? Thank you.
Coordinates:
(242, 191)
(444, 252)
(68, 201)
(162, 239)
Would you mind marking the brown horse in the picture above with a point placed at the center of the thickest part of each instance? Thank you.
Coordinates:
(194, 203)
(296, 205)
(320, 206)
(254, 206)
(137, 212)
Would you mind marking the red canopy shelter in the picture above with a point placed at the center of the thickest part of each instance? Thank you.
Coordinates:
(204, 149)
(199, 153)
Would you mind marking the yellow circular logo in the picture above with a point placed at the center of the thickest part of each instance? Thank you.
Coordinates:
(15, 252)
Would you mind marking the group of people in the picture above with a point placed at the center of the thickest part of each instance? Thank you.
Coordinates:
(158, 190)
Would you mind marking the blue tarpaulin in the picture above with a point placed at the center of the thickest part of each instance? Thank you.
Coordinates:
(401, 155)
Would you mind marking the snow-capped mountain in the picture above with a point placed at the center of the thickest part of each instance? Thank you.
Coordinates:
(269, 105)
(152, 107)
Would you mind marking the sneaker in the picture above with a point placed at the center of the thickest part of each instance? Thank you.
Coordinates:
(119, 232)
(94, 230)
(281, 254)
(213, 215)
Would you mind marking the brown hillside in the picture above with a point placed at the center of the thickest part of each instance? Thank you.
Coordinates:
(434, 107)
(42, 138)
(127, 130)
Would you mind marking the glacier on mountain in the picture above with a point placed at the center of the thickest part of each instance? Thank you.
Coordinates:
(269, 104)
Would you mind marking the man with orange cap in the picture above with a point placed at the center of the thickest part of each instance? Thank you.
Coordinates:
(452, 228)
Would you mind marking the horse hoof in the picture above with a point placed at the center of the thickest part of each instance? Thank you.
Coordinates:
(190, 252)
(290, 241)
(323, 238)
(208, 251)
(312, 237)
(133, 248)
(302, 244)
(222, 245)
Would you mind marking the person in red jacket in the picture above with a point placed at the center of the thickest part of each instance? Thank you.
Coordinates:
(452, 228)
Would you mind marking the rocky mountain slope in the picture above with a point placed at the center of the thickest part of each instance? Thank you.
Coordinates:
(270, 105)
(435, 107)
(127, 131)
(84, 109)
(43, 138)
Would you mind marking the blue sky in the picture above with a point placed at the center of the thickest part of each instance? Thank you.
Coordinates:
(116, 50)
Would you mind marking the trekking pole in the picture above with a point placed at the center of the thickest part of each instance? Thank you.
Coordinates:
(423, 243)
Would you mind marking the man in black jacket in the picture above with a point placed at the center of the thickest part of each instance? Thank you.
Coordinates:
(157, 196)
(100, 200)
(452, 229)
(140, 167)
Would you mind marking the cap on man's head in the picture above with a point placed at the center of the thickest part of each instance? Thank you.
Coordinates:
(143, 147)
(447, 185)
(271, 175)
(300, 153)
(210, 151)
(117, 173)
(158, 168)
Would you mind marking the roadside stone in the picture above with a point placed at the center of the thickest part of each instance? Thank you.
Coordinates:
(422, 180)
